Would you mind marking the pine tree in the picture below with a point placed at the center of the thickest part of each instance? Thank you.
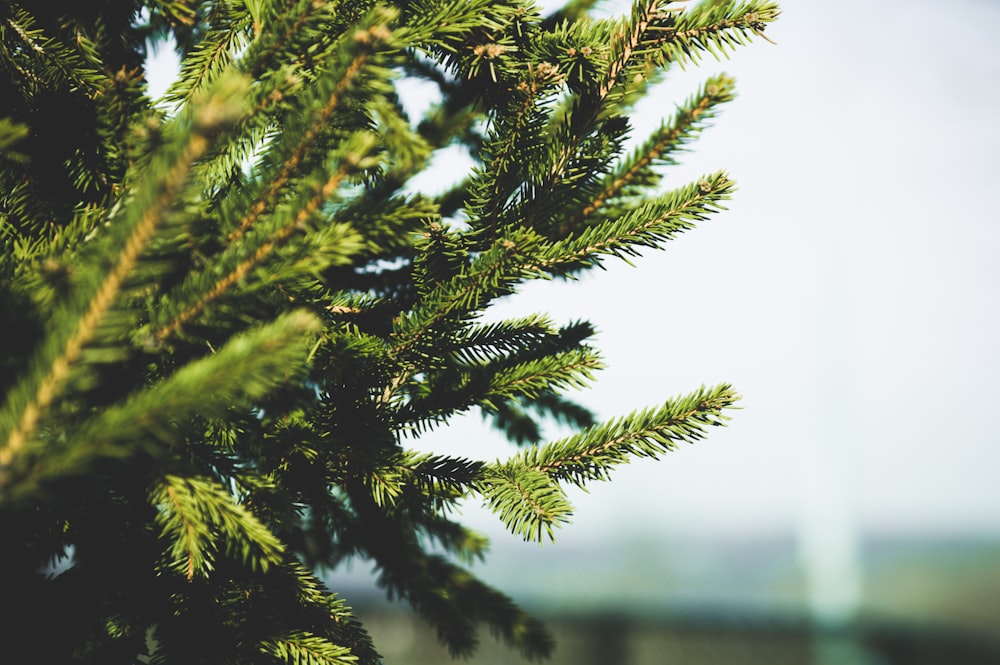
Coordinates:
(225, 320)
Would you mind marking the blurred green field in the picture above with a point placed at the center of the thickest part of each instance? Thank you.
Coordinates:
(927, 602)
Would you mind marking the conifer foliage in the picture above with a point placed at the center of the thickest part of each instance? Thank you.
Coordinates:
(227, 317)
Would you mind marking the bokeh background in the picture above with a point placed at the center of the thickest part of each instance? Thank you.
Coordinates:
(850, 294)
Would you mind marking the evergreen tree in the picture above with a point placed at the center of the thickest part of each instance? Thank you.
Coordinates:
(225, 322)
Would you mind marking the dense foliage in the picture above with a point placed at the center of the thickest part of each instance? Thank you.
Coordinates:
(226, 315)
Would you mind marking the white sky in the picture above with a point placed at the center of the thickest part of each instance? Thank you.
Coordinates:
(849, 293)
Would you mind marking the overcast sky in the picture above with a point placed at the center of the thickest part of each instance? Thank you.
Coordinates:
(850, 292)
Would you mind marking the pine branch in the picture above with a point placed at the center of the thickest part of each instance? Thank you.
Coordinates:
(453, 600)
(648, 225)
(651, 433)
(516, 137)
(391, 223)
(555, 406)
(437, 474)
(44, 54)
(572, 369)
(527, 368)
(466, 545)
(446, 595)
(635, 173)
(207, 388)
(524, 490)
(655, 33)
(632, 39)
(357, 69)
(714, 28)
(440, 26)
(443, 394)
(516, 423)
(627, 40)
(302, 648)
(11, 133)
(199, 518)
(214, 52)
(490, 275)
(263, 54)
(527, 501)
(83, 316)
(348, 631)
(440, 254)
(362, 67)
(203, 288)
(407, 476)
(480, 343)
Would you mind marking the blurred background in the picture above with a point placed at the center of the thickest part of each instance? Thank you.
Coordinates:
(850, 513)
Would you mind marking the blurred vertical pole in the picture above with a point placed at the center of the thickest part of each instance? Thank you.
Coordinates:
(829, 547)
(829, 536)
(828, 531)
(829, 541)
